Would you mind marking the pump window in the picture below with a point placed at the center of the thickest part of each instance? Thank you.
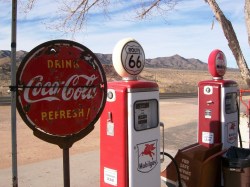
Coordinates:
(146, 114)
(231, 102)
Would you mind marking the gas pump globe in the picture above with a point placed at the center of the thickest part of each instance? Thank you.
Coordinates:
(218, 111)
(129, 124)
(217, 64)
(128, 58)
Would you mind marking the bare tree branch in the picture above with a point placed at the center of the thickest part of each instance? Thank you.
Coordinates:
(75, 13)
(153, 5)
(25, 6)
(231, 37)
(29, 6)
(76, 16)
(161, 6)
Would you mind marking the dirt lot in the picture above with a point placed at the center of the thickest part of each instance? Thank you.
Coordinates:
(40, 163)
(31, 149)
(173, 113)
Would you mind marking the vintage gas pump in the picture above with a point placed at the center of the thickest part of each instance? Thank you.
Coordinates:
(218, 111)
(130, 132)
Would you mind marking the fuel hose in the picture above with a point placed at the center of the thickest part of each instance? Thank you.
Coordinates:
(176, 166)
(239, 133)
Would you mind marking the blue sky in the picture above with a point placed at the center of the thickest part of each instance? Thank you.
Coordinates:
(185, 31)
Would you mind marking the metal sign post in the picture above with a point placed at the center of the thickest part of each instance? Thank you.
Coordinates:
(66, 167)
(13, 94)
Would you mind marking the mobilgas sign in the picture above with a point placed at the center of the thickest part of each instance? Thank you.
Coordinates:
(61, 88)
(147, 156)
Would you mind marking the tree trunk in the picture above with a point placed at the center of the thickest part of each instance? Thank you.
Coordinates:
(247, 18)
(232, 40)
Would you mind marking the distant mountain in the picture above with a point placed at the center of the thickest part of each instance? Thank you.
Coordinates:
(5, 57)
(186, 72)
(172, 62)
(176, 62)
(104, 58)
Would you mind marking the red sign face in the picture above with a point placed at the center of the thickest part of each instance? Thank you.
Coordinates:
(62, 88)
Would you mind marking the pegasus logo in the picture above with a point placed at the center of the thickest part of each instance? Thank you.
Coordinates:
(232, 126)
(147, 156)
(148, 150)
(232, 132)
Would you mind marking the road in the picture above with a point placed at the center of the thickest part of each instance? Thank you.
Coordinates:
(180, 120)
(40, 163)
(6, 100)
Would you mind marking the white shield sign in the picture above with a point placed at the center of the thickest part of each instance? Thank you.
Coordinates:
(147, 156)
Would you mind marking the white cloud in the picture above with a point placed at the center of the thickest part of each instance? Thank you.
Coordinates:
(185, 31)
(194, 41)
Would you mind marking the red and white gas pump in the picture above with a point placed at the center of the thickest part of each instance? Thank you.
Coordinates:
(218, 111)
(130, 132)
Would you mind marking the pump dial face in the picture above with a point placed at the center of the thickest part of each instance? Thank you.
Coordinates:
(128, 58)
(146, 114)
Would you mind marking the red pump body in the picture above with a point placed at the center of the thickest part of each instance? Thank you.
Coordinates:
(130, 135)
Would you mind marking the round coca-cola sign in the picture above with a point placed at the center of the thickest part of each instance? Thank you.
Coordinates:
(61, 88)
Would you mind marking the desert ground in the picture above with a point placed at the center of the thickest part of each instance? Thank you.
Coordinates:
(40, 163)
(33, 152)
(31, 149)
(178, 115)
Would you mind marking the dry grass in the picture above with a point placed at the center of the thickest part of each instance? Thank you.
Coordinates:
(184, 81)
(169, 80)
(4, 60)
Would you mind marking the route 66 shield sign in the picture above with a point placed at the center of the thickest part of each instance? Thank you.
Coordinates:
(128, 58)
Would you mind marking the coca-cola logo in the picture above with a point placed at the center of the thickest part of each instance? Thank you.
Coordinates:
(65, 90)
(61, 88)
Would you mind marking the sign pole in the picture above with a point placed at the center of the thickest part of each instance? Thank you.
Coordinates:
(13, 94)
(66, 168)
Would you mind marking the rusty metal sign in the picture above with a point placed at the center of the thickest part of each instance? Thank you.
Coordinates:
(62, 91)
